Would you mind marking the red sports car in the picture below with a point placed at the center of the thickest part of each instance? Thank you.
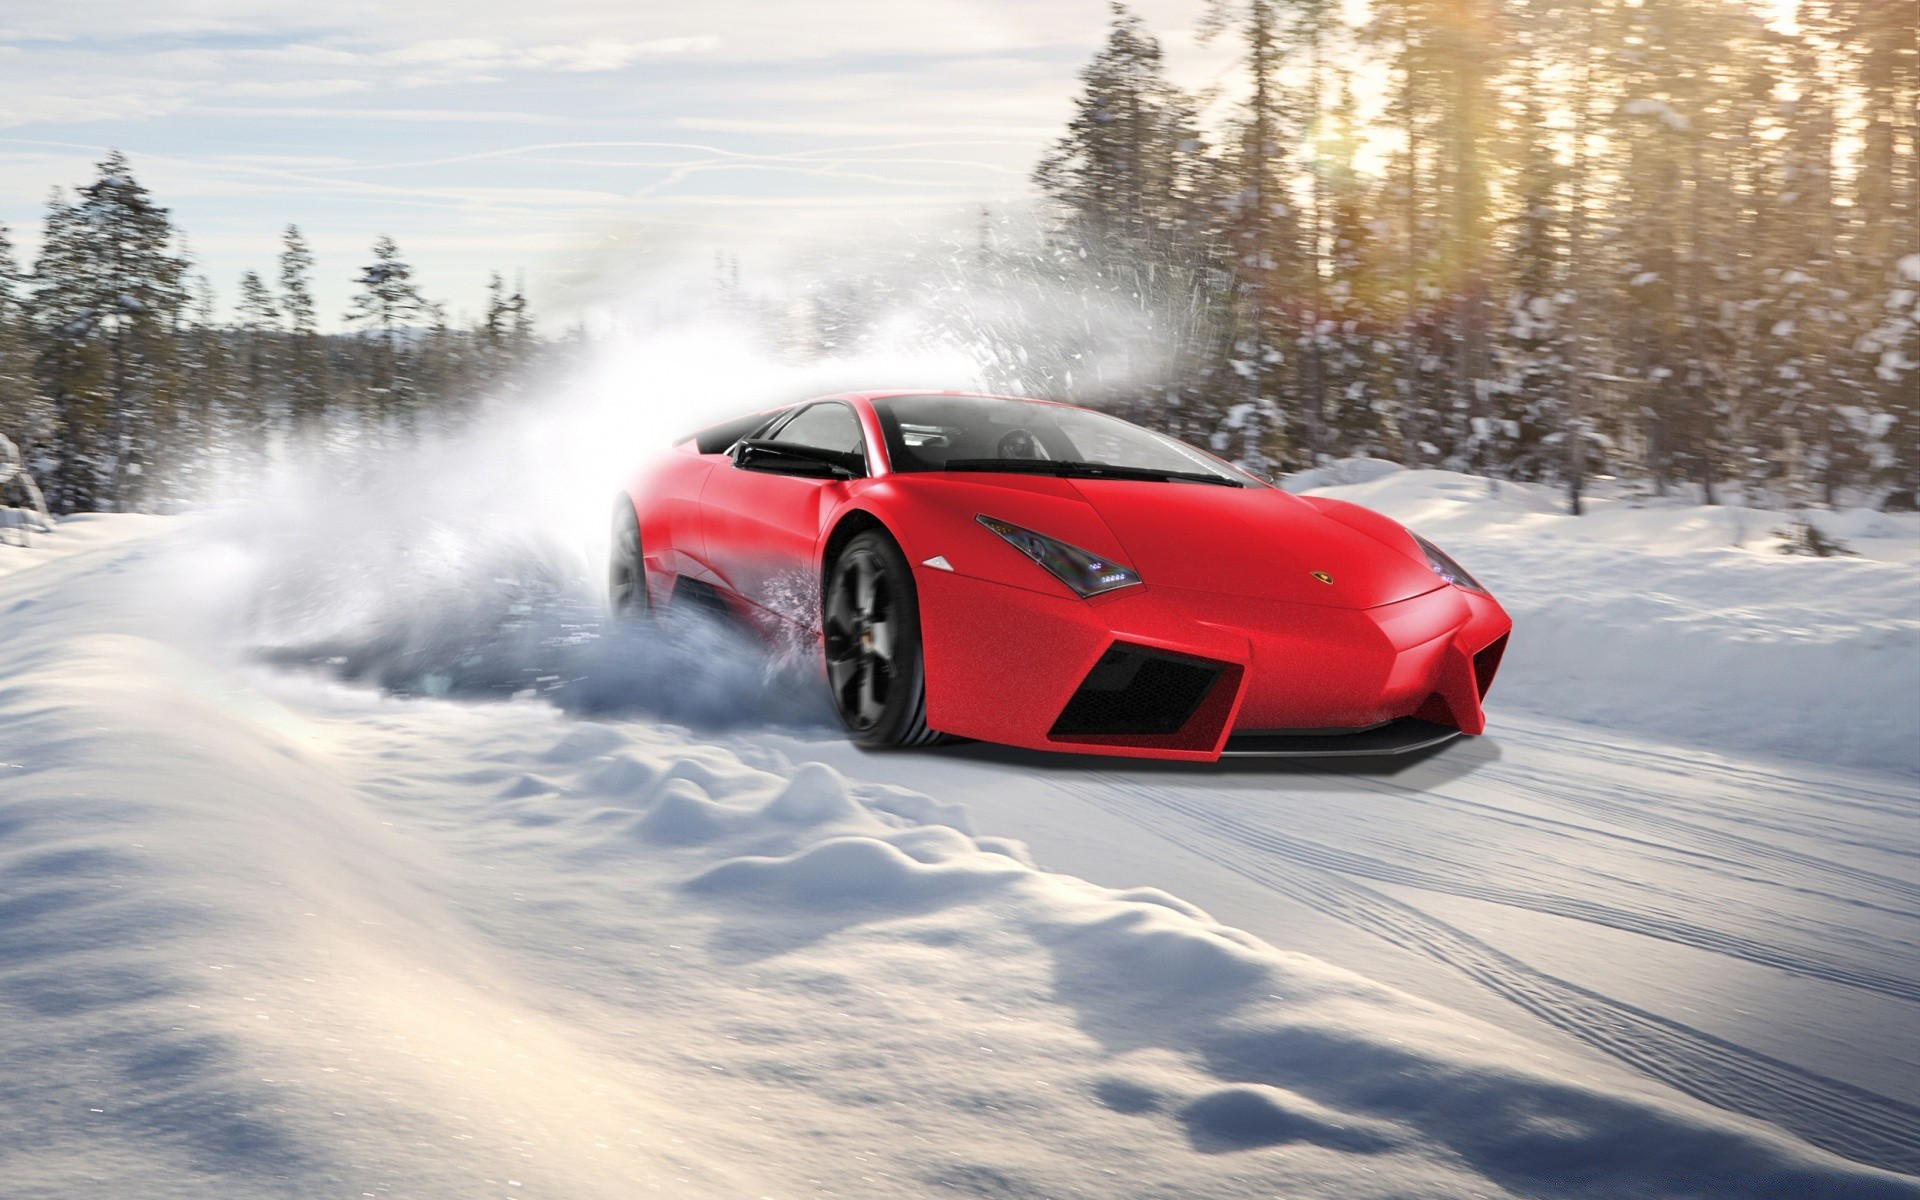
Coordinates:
(1041, 575)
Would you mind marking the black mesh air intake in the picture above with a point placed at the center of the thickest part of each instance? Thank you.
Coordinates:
(1135, 690)
(1487, 662)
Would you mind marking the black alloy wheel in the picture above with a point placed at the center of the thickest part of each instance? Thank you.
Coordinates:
(626, 576)
(871, 622)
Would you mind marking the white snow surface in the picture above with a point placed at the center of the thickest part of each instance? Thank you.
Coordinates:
(265, 933)
(1682, 621)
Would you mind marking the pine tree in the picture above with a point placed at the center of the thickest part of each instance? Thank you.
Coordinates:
(108, 291)
(387, 310)
(1125, 173)
(139, 295)
(520, 331)
(1260, 228)
(1871, 52)
(1466, 45)
(20, 416)
(1794, 260)
(1130, 186)
(1354, 356)
(219, 418)
(503, 335)
(1530, 398)
(262, 363)
(71, 364)
(306, 360)
(1894, 347)
(1402, 34)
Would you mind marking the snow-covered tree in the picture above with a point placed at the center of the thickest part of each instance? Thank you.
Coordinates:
(306, 361)
(20, 414)
(389, 310)
(108, 293)
(258, 320)
(1529, 401)
(1351, 353)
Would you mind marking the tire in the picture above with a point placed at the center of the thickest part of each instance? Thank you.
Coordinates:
(626, 569)
(870, 618)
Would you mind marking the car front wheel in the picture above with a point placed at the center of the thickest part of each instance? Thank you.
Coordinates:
(871, 622)
(626, 574)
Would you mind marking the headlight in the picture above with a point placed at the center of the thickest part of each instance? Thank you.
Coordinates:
(1087, 574)
(1447, 569)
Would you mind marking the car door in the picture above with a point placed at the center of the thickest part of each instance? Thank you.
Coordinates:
(761, 526)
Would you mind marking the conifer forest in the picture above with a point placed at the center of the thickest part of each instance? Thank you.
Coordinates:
(122, 388)
(1671, 242)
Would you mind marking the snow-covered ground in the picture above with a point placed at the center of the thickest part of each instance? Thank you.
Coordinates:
(264, 932)
(1686, 622)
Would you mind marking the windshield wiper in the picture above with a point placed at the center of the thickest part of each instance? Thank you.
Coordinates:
(1070, 469)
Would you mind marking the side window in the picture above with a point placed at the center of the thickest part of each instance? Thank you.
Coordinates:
(720, 438)
(829, 426)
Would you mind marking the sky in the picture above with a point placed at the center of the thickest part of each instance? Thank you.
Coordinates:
(543, 136)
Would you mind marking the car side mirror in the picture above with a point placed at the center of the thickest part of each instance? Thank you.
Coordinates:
(789, 458)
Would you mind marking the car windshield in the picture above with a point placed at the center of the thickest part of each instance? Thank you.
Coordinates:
(982, 433)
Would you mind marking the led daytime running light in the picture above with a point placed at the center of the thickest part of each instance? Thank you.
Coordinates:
(1447, 569)
(1086, 575)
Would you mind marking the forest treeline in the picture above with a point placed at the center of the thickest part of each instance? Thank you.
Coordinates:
(125, 389)
(1549, 240)
(1654, 239)
(1657, 238)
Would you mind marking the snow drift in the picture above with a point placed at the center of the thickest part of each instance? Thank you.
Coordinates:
(265, 934)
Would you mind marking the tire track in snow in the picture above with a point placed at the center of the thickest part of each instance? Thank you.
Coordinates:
(1836, 1116)
(1663, 926)
(1653, 923)
(1699, 829)
(1861, 792)
(1734, 852)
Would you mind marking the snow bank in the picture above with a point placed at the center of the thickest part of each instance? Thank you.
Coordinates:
(82, 531)
(264, 935)
(1684, 622)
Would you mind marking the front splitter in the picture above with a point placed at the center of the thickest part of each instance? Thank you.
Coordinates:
(1402, 736)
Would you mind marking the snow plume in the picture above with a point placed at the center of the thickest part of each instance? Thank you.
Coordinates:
(472, 562)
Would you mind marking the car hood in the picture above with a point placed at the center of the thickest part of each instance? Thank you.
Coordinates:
(1256, 542)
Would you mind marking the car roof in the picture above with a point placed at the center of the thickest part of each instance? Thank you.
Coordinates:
(870, 397)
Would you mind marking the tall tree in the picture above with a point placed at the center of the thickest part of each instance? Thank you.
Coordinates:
(306, 362)
(1353, 367)
(387, 310)
(1530, 399)
(18, 415)
(263, 363)
(109, 291)
(1261, 230)
(1126, 171)
(1130, 186)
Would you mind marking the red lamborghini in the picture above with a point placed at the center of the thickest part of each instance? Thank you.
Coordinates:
(1041, 575)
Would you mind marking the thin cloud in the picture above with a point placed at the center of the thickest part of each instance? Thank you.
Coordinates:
(452, 59)
(708, 155)
(429, 115)
(1009, 134)
(723, 119)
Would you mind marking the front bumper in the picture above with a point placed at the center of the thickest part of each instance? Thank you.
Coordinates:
(1019, 667)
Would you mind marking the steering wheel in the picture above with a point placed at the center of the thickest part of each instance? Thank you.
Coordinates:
(1019, 443)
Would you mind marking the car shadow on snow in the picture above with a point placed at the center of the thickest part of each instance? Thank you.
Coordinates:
(1427, 767)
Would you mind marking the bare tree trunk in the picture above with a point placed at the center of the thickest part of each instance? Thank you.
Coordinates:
(1260, 229)
(1410, 349)
(1314, 401)
(1576, 432)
